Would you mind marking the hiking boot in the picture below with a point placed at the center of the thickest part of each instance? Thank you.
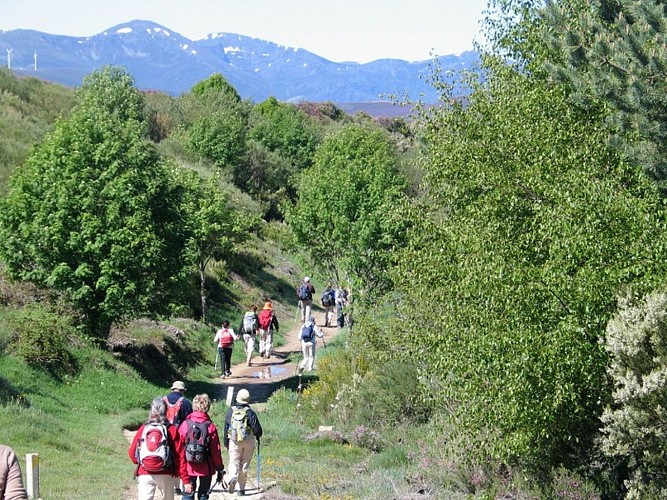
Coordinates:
(229, 374)
(242, 493)
(231, 485)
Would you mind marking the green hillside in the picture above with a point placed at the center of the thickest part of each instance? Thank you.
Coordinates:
(504, 254)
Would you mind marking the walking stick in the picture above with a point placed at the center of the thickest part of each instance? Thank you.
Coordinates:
(259, 464)
(217, 355)
(298, 308)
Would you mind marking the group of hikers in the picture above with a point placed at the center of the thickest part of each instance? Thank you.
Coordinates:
(264, 324)
(180, 442)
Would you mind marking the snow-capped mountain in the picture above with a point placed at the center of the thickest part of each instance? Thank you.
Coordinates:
(161, 59)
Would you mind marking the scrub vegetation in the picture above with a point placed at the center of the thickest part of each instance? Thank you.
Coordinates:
(505, 253)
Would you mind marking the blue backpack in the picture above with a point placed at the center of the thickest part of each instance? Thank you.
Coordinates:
(307, 333)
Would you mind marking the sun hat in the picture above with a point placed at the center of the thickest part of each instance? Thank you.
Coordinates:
(306, 279)
(311, 319)
(243, 396)
(178, 386)
(267, 305)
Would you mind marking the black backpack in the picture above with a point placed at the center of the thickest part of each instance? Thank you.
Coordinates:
(197, 442)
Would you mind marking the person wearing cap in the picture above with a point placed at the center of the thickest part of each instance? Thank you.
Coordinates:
(240, 452)
(304, 293)
(268, 323)
(248, 327)
(176, 399)
(308, 335)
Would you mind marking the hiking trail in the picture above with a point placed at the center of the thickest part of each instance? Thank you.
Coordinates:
(261, 379)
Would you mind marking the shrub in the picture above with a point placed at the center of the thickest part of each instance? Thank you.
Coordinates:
(636, 425)
(40, 337)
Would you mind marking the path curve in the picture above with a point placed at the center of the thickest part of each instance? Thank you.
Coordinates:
(261, 379)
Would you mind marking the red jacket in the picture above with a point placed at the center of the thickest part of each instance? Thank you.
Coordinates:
(214, 462)
(178, 465)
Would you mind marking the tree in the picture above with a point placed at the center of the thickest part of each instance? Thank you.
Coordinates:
(214, 226)
(344, 212)
(215, 121)
(529, 228)
(94, 213)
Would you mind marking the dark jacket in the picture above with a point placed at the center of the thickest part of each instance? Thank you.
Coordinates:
(253, 422)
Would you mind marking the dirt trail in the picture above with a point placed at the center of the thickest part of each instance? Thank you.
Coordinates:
(261, 379)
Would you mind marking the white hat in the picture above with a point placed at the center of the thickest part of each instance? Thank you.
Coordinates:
(311, 319)
(243, 396)
(306, 279)
(178, 386)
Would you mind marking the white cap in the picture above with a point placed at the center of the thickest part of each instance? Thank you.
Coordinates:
(306, 279)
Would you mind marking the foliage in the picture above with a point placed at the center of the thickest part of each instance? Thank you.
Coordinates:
(162, 115)
(345, 213)
(285, 129)
(41, 338)
(93, 212)
(28, 109)
(635, 425)
(215, 84)
(215, 121)
(214, 225)
(528, 228)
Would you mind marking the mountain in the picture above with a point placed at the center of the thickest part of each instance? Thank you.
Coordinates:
(161, 59)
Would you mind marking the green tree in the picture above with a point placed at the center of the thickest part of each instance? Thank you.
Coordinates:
(215, 227)
(94, 213)
(215, 121)
(529, 228)
(344, 214)
(284, 128)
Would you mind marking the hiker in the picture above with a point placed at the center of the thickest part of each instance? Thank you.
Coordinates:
(11, 484)
(178, 406)
(242, 429)
(308, 335)
(268, 323)
(225, 338)
(248, 327)
(329, 304)
(202, 449)
(158, 452)
(304, 293)
(341, 302)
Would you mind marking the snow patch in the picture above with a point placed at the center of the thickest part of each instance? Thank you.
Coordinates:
(231, 49)
(265, 54)
(127, 29)
(184, 46)
(257, 69)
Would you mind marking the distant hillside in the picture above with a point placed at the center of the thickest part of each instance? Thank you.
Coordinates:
(161, 59)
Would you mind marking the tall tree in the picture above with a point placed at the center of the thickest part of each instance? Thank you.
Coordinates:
(93, 212)
(529, 229)
(214, 226)
(344, 212)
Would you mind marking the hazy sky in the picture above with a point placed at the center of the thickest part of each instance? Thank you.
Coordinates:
(339, 30)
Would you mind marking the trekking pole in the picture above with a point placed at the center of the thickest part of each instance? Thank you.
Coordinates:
(296, 315)
(259, 464)
(217, 355)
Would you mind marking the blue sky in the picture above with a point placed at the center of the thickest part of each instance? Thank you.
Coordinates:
(340, 30)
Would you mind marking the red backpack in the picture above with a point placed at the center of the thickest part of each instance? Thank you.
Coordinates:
(173, 409)
(265, 318)
(226, 339)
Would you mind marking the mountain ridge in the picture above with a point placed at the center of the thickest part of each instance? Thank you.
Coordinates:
(161, 59)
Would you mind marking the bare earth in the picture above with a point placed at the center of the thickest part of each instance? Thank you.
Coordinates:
(261, 379)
